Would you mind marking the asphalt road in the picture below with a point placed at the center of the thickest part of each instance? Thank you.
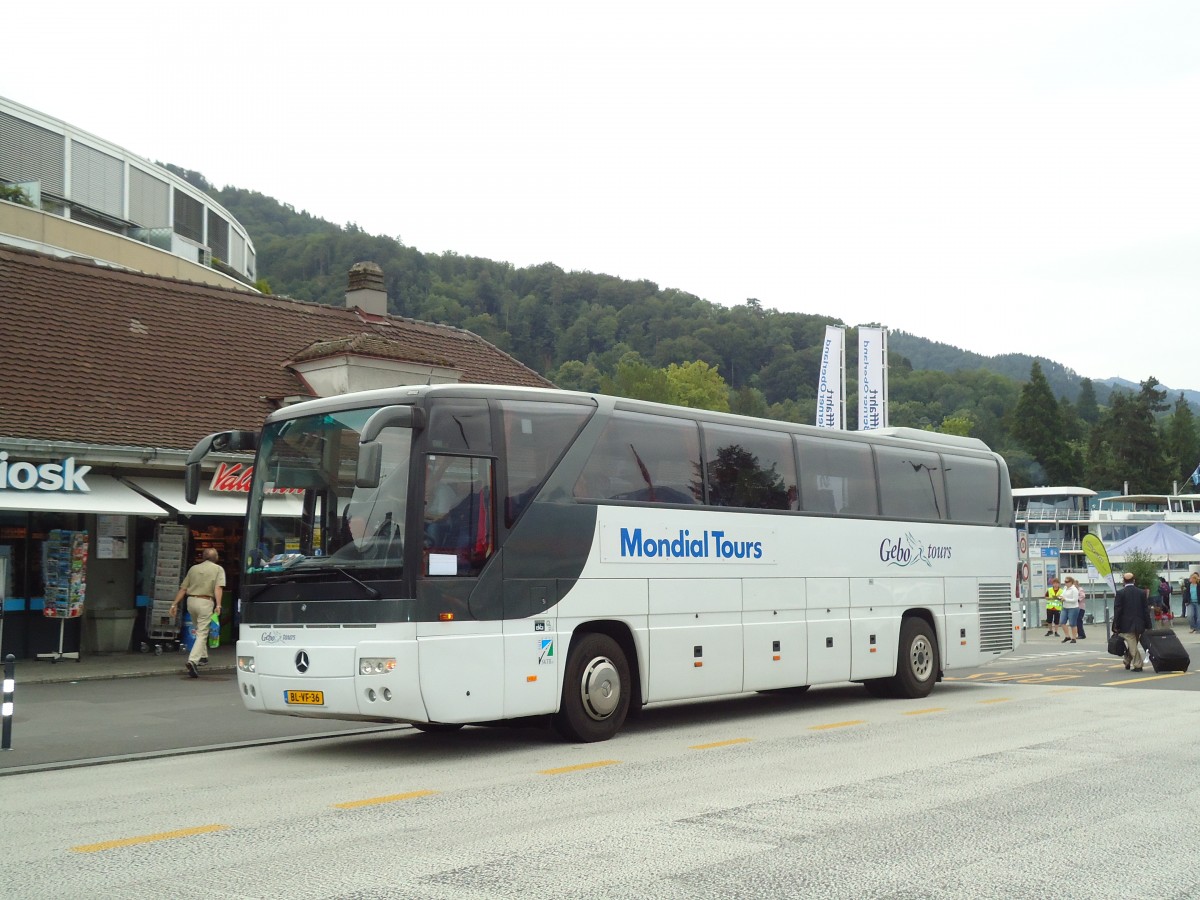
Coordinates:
(65, 723)
(1046, 660)
(990, 791)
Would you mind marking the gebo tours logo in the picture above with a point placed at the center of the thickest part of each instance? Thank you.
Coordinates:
(909, 550)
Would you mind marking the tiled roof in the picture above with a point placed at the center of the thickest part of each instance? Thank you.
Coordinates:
(98, 355)
(371, 345)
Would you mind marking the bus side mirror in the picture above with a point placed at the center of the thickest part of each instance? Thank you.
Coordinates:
(235, 441)
(370, 464)
(221, 442)
(191, 482)
(392, 417)
(370, 451)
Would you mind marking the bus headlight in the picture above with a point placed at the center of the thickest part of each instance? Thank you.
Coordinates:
(246, 664)
(376, 665)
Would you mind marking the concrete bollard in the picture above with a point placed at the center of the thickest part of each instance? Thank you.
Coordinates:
(10, 667)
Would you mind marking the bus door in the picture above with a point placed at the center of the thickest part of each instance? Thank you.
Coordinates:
(460, 651)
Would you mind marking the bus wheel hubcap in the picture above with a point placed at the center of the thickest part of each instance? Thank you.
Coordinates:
(601, 688)
(922, 658)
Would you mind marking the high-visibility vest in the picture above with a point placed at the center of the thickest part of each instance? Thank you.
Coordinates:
(1054, 598)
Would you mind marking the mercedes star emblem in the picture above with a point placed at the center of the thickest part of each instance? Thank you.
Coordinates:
(301, 662)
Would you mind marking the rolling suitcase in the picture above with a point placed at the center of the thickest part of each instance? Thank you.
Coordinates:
(1166, 651)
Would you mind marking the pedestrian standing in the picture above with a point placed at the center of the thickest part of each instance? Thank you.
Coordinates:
(1053, 607)
(1081, 632)
(1164, 594)
(1191, 601)
(1070, 610)
(202, 586)
(1131, 617)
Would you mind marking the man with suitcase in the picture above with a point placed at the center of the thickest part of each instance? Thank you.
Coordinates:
(1131, 616)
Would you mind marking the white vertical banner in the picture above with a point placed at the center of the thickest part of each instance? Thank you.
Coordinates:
(872, 378)
(831, 385)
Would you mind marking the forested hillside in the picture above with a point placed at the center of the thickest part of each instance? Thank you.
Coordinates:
(595, 332)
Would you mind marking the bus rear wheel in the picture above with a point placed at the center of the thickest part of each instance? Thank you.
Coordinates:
(596, 690)
(916, 663)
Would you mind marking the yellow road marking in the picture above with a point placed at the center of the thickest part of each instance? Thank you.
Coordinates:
(1065, 690)
(375, 801)
(148, 838)
(579, 768)
(997, 700)
(720, 744)
(837, 725)
(1146, 678)
(921, 712)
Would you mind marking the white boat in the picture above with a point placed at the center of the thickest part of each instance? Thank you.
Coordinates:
(1055, 520)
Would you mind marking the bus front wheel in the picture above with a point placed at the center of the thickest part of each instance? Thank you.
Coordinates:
(596, 689)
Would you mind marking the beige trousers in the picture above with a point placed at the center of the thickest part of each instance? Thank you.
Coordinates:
(1134, 650)
(201, 610)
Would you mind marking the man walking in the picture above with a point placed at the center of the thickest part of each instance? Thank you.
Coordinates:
(202, 586)
(1131, 616)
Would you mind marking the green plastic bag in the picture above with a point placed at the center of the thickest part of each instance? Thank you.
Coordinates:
(214, 631)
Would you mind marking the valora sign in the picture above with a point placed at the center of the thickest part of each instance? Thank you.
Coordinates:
(57, 476)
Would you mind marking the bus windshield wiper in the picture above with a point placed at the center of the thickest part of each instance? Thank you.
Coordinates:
(371, 592)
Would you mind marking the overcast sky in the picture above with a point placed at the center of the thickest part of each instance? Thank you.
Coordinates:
(1004, 177)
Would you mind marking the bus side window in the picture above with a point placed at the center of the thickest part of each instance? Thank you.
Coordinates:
(911, 483)
(837, 477)
(748, 468)
(644, 458)
(535, 437)
(972, 489)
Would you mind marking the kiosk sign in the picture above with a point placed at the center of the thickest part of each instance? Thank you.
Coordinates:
(56, 476)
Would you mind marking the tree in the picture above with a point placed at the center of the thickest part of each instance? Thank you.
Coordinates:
(1037, 426)
(698, 385)
(1126, 447)
(14, 194)
(1143, 567)
(639, 381)
(1181, 441)
(960, 425)
(748, 401)
(1087, 407)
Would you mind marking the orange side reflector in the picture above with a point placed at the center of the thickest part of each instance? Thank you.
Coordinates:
(531, 678)
(697, 664)
(776, 657)
(964, 643)
(873, 649)
(446, 617)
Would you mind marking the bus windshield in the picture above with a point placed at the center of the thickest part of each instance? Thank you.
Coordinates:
(307, 520)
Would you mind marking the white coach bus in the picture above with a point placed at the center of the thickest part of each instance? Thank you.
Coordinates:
(466, 554)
